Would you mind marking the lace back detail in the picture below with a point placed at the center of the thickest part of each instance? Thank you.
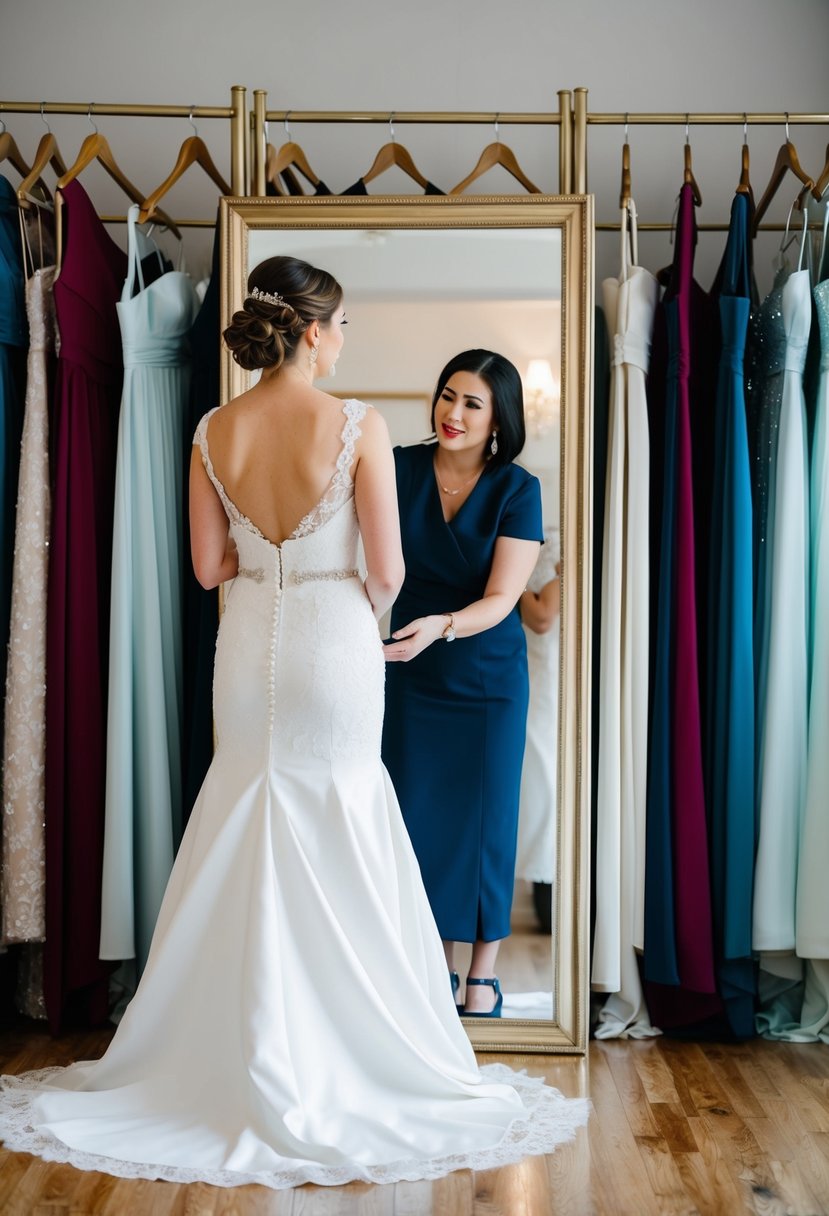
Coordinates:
(340, 488)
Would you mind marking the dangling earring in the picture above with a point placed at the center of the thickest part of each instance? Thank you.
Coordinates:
(493, 447)
(332, 371)
(313, 355)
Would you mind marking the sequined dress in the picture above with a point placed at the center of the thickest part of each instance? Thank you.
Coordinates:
(295, 1021)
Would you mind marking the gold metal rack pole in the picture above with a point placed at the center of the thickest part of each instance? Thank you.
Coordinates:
(565, 142)
(580, 140)
(656, 118)
(262, 115)
(236, 112)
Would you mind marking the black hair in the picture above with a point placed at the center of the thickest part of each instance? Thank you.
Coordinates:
(504, 382)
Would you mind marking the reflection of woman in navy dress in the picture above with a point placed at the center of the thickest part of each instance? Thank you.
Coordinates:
(456, 688)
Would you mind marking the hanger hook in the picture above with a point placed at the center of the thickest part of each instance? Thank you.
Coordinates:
(687, 136)
(627, 124)
(285, 124)
(497, 133)
(391, 125)
(745, 127)
(43, 118)
(787, 126)
(89, 117)
(3, 132)
(190, 120)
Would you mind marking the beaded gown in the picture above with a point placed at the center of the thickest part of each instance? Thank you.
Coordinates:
(295, 1021)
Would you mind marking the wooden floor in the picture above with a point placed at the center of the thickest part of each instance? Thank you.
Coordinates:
(676, 1128)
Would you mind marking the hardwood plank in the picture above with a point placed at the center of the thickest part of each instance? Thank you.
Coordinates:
(726, 1067)
(619, 1172)
(665, 1178)
(787, 1071)
(569, 1178)
(705, 1175)
(653, 1071)
(673, 1127)
(630, 1088)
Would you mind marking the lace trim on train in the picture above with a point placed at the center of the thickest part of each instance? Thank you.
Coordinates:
(340, 488)
(550, 1119)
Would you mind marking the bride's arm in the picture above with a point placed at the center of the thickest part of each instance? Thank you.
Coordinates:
(214, 554)
(375, 499)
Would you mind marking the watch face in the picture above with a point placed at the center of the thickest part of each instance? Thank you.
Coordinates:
(449, 635)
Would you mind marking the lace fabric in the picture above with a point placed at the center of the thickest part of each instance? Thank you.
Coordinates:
(339, 490)
(549, 1120)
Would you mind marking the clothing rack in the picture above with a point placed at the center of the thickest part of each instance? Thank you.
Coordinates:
(235, 113)
(583, 118)
(261, 115)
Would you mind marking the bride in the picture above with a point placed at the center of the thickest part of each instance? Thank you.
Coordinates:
(295, 1021)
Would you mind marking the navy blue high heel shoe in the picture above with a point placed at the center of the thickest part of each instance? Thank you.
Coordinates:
(456, 983)
(495, 1011)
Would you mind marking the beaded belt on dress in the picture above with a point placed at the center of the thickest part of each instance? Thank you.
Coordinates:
(300, 576)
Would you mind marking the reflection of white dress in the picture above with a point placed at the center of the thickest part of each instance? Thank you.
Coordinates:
(295, 1020)
(629, 304)
(536, 856)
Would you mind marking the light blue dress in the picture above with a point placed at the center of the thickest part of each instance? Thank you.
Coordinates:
(143, 780)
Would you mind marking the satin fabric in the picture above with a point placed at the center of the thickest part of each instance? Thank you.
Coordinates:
(295, 1021)
(629, 305)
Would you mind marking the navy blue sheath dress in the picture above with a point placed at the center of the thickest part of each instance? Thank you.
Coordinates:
(453, 738)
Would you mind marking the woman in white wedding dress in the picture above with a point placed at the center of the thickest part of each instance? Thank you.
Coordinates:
(295, 1021)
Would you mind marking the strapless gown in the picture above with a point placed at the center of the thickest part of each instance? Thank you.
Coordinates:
(295, 1021)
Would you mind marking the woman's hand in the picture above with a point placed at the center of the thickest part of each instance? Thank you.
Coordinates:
(414, 638)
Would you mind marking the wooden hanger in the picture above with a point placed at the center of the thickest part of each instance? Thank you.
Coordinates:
(290, 156)
(48, 153)
(787, 161)
(95, 147)
(9, 151)
(394, 153)
(744, 185)
(688, 174)
(496, 154)
(193, 151)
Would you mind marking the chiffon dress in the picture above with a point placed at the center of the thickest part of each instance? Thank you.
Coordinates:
(629, 306)
(730, 726)
(295, 1021)
(143, 778)
(85, 434)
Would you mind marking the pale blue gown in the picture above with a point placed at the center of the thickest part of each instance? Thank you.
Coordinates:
(143, 779)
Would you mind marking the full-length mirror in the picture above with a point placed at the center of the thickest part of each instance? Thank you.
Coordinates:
(425, 279)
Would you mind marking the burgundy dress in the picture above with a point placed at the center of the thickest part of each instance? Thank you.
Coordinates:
(678, 887)
(84, 429)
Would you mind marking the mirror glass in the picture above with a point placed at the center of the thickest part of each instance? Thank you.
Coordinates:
(416, 294)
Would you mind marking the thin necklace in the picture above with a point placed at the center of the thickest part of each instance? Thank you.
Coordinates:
(446, 489)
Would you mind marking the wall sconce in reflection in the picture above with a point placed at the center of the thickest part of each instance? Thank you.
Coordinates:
(542, 397)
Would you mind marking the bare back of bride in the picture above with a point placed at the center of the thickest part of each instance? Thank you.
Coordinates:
(295, 1021)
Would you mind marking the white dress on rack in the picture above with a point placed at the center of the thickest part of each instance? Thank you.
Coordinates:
(629, 303)
(537, 819)
(295, 1021)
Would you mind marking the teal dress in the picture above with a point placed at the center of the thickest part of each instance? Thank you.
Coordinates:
(453, 735)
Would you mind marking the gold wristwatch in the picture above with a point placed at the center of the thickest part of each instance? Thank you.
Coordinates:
(448, 634)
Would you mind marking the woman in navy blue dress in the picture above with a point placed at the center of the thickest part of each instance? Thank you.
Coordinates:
(457, 686)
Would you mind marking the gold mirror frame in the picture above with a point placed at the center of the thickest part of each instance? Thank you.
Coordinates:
(572, 215)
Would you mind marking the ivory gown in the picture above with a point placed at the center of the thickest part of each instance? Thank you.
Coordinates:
(295, 1021)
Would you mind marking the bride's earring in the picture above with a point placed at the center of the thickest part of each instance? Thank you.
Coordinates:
(332, 371)
(313, 355)
(493, 447)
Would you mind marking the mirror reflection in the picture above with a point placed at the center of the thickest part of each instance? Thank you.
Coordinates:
(414, 300)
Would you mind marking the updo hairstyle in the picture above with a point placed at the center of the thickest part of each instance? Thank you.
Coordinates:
(265, 335)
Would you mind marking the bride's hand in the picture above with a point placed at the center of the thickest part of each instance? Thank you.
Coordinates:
(414, 638)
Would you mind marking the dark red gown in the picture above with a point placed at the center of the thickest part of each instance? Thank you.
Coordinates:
(84, 430)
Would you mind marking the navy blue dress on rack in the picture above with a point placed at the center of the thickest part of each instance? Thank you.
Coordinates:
(453, 736)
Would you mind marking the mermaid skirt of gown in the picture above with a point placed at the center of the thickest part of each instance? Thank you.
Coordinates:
(295, 1021)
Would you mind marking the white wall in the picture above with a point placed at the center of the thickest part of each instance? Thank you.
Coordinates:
(434, 54)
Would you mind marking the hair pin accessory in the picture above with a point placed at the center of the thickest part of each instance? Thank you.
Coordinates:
(266, 296)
